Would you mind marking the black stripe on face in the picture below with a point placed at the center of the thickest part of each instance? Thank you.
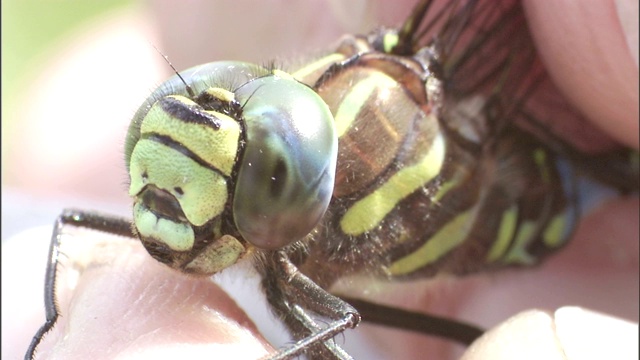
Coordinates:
(177, 146)
(188, 113)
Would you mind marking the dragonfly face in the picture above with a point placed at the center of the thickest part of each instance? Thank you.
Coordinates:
(399, 155)
(251, 164)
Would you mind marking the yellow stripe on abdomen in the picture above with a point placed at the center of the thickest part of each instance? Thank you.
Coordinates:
(446, 239)
(506, 230)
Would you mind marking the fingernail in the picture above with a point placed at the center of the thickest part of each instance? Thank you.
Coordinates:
(628, 15)
(585, 334)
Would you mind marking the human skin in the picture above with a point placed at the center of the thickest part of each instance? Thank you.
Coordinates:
(616, 221)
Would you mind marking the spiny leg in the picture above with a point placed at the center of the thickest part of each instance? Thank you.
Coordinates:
(78, 218)
(293, 297)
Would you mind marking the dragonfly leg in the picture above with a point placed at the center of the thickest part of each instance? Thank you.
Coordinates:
(423, 323)
(294, 297)
(77, 218)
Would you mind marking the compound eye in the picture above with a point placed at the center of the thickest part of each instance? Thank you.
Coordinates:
(287, 172)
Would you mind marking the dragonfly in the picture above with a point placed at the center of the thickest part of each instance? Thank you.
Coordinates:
(402, 154)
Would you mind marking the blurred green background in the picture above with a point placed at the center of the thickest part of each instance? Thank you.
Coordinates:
(30, 30)
(33, 33)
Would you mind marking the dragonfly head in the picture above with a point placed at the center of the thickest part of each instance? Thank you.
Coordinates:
(217, 169)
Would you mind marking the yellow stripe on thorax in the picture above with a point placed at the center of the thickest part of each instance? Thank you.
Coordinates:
(447, 186)
(357, 97)
(390, 41)
(367, 213)
(302, 73)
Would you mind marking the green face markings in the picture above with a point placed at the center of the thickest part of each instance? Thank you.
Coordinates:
(149, 225)
(200, 191)
(268, 144)
(187, 152)
(214, 141)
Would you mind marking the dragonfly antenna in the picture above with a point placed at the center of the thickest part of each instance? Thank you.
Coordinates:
(166, 58)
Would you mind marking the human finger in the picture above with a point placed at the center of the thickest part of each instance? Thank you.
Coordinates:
(117, 302)
(591, 52)
(569, 333)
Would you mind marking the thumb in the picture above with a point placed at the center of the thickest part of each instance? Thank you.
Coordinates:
(570, 333)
